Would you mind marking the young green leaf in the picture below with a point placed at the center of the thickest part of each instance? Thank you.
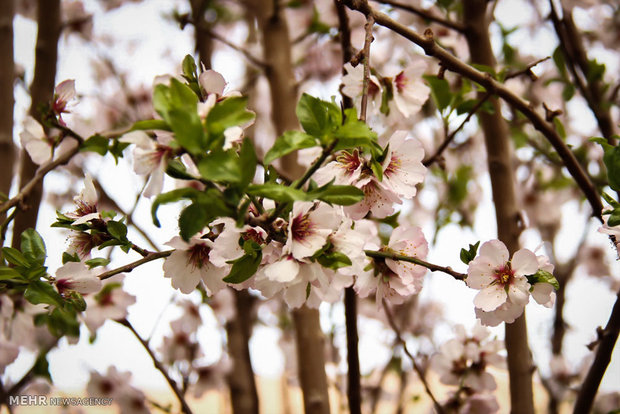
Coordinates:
(287, 143)
(33, 246)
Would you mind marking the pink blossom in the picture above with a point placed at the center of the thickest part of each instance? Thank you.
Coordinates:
(309, 226)
(63, 93)
(109, 304)
(498, 278)
(352, 85)
(76, 276)
(86, 203)
(346, 169)
(150, 157)
(377, 199)
(226, 246)
(189, 264)
(36, 143)
(410, 91)
(403, 168)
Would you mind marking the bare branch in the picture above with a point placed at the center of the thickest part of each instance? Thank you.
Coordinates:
(425, 14)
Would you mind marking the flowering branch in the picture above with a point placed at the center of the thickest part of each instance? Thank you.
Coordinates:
(425, 14)
(129, 267)
(370, 21)
(450, 62)
(415, 260)
(606, 342)
(433, 158)
(416, 366)
(158, 365)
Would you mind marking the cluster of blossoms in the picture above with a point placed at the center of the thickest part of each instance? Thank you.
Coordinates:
(117, 386)
(506, 284)
(464, 362)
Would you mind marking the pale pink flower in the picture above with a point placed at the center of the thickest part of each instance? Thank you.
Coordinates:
(36, 143)
(63, 93)
(76, 276)
(189, 264)
(181, 344)
(499, 278)
(109, 385)
(86, 203)
(479, 403)
(212, 82)
(345, 170)
(377, 199)
(226, 246)
(403, 168)
(507, 312)
(410, 91)
(211, 377)
(109, 304)
(150, 157)
(352, 86)
(309, 226)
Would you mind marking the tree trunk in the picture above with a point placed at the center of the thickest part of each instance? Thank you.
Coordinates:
(41, 92)
(499, 158)
(7, 78)
(204, 42)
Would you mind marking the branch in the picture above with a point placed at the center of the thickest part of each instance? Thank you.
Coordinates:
(416, 366)
(251, 58)
(527, 70)
(452, 63)
(370, 21)
(607, 341)
(159, 366)
(450, 137)
(415, 260)
(425, 14)
(129, 267)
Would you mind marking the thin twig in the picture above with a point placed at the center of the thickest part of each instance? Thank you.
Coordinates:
(452, 63)
(251, 58)
(452, 135)
(416, 366)
(370, 21)
(425, 14)
(430, 266)
(129, 267)
(159, 366)
(527, 70)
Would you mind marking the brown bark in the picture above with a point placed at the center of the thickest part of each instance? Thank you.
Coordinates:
(41, 92)
(276, 44)
(311, 360)
(204, 42)
(499, 158)
(241, 381)
(7, 76)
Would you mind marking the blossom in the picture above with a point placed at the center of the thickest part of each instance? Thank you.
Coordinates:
(189, 264)
(345, 170)
(377, 199)
(402, 167)
(76, 276)
(410, 91)
(308, 228)
(352, 85)
(63, 93)
(507, 312)
(115, 385)
(181, 344)
(498, 278)
(109, 304)
(397, 279)
(300, 281)
(86, 203)
(150, 157)
(226, 246)
(36, 143)
(212, 82)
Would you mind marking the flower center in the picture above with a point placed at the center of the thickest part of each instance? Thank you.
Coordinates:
(373, 89)
(393, 166)
(253, 235)
(401, 81)
(504, 275)
(198, 255)
(302, 227)
(349, 162)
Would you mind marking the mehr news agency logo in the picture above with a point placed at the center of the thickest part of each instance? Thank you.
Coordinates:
(44, 400)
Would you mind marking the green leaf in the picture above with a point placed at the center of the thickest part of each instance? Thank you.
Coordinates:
(220, 166)
(98, 261)
(440, 90)
(66, 257)
(614, 218)
(42, 292)
(287, 143)
(611, 158)
(8, 273)
(542, 276)
(228, 113)
(469, 254)
(33, 246)
(189, 67)
(188, 130)
(278, 192)
(193, 219)
(244, 267)
(317, 117)
(171, 197)
(248, 161)
(344, 195)
(610, 201)
(151, 124)
(568, 92)
(595, 71)
(334, 260)
(97, 144)
(15, 257)
(117, 230)
(560, 63)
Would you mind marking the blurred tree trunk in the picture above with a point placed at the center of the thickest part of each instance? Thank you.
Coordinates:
(241, 381)
(276, 44)
(499, 158)
(204, 42)
(7, 78)
(41, 92)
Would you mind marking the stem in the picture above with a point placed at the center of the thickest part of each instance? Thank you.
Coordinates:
(370, 21)
(416, 366)
(353, 374)
(129, 267)
(159, 366)
(425, 14)
(607, 341)
(450, 62)
(415, 260)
